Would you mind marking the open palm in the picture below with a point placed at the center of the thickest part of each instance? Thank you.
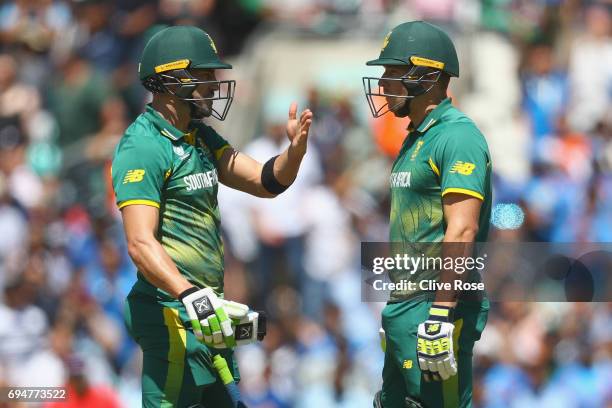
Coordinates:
(297, 130)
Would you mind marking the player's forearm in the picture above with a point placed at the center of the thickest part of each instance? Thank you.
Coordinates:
(154, 263)
(287, 165)
(458, 243)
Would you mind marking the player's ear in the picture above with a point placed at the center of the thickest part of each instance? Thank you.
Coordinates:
(443, 82)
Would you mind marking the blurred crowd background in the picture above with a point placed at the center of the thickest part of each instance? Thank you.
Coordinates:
(536, 76)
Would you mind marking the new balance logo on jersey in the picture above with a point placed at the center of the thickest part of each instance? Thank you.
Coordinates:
(464, 168)
(201, 180)
(400, 179)
(133, 176)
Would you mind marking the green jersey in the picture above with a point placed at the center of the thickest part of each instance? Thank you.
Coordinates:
(158, 165)
(445, 154)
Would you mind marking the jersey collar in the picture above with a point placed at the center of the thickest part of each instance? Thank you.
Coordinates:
(164, 127)
(434, 116)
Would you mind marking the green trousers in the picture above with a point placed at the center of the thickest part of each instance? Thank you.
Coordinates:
(401, 373)
(177, 368)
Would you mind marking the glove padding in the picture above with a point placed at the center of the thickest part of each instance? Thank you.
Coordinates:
(249, 329)
(435, 345)
(211, 317)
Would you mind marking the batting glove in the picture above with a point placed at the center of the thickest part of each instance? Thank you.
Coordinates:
(435, 345)
(248, 329)
(211, 317)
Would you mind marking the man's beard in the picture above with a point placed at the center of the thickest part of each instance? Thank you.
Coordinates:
(199, 110)
(414, 90)
(403, 110)
(401, 107)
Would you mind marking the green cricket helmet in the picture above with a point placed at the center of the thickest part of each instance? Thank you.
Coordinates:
(166, 66)
(425, 50)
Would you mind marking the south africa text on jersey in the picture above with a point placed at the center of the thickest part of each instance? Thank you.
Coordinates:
(201, 180)
(400, 179)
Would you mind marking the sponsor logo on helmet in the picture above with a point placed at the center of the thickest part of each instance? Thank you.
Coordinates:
(212, 44)
(426, 62)
(386, 41)
(180, 64)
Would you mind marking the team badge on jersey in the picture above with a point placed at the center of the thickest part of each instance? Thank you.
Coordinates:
(180, 152)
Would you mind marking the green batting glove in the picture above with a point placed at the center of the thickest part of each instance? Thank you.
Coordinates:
(211, 317)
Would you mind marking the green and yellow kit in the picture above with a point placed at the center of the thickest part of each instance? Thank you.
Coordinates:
(445, 154)
(157, 165)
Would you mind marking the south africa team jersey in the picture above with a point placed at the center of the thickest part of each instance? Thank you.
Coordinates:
(445, 154)
(158, 165)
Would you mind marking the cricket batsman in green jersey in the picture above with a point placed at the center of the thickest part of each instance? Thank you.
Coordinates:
(165, 173)
(440, 193)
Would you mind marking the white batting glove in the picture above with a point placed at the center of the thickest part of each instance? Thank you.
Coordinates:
(248, 329)
(435, 345)
(211, 317)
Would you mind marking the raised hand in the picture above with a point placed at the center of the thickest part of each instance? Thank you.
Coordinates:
(297, 130)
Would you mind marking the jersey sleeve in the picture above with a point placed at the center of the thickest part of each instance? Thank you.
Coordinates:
(215, 142)
(139, 171)
(461, 161)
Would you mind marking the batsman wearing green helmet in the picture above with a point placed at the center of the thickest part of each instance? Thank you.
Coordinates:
(165, 172)
(440, 193)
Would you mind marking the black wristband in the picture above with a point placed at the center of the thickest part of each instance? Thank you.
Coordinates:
(261, 326)
(441, 313)
(268, 180)
(187, 292)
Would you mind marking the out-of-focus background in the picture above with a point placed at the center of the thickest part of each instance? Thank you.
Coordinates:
(536, 76)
